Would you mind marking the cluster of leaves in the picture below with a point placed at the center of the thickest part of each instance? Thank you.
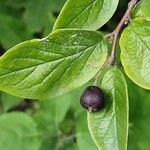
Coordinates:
(66, 59)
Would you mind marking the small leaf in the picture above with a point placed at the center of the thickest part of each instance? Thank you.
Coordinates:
(109, 127)
(142, 10)
(86, 14)
(135, 52)
(45, 68)
(18, 132)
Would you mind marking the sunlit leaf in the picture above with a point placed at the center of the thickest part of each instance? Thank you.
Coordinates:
(135, 52)
(86, 14)
(45, 68)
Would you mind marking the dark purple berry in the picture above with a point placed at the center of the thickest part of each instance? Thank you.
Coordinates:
(92, 99)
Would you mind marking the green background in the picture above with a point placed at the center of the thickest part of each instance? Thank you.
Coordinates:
(62, 122)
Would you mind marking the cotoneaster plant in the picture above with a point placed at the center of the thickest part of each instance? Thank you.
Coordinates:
(76, 52)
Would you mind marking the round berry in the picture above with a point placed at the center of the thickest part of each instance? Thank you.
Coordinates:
(92, 99)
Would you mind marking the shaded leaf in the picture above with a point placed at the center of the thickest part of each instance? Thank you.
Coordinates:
(18, 131)
(12, 31)
(56, 108)
(38, 11)
(49, 25)
(36, 14)
(139, 130)
(84, 139)
(56, 5)
(17, 3)
(9, 101)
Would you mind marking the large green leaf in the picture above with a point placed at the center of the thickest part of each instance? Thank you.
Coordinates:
(18, 132)
(109, 127)
(64, 60)
(86, 14)
(135, 52)
(142, 10)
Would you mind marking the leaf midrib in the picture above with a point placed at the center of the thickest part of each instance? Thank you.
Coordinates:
(115, 90)
(79, 14)
(55, 69)
(43, 63)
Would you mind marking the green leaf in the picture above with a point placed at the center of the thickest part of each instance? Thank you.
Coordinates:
(83, 137)
(56, 108)
(72, 147)
(45, 124)
(52, 119)
(142, 10)
(45, 68)
(86, 14)
(17, 3)
(109, 127)
(37, 18)
(37, 14)
(139, 130)
(135, 52)
(12, 31)
(49, 25)
(62, 106)
(9, 101)
(18, 132)
(56, 5)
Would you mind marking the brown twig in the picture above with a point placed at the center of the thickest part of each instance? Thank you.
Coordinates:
(99, 72)
(114, 35)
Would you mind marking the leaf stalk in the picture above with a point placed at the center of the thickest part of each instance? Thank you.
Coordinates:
(114, 36)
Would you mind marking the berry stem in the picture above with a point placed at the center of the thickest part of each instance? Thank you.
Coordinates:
(99, 72)
(114, 36)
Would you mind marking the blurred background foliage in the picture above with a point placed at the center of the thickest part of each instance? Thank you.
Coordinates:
(62, 121)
